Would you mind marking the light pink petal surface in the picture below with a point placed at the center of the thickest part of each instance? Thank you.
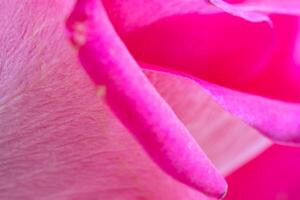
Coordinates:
(243, 13)
(258, 10)
(270, 6)
(60, 141)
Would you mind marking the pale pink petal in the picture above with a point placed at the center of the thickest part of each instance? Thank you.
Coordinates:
(237, 11)
(291, 7)
(258, 10)
(60, 141)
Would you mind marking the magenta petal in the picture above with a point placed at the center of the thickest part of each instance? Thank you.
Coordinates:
(276, 119)
(58, 140)
(136, 103)
(131, 14)
(274, 175)
(211, 47)
(229, 141)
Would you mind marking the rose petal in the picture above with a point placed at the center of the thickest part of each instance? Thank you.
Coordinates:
(136, 102)
(276, 79)
(258, 10)
(243, 13)
(222, 130)
(276, 119)
(217, 47)
(131, 14)
(60, 141)
(270, 6)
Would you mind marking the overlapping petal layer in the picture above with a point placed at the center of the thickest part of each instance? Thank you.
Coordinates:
(131, 14)
(218, 47)
(60, 141)
(252, 58)
(278, 120)
(291, 7)
(135, 101)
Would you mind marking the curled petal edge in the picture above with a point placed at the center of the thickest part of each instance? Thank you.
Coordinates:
(275, 119)
(135, 101)
(291, 7)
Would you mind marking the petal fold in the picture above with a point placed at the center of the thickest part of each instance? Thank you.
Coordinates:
(291, 7)
(258, 10)
(276, 119)
(237, 11)
(60, 141)
(132, 14)
(136, 102)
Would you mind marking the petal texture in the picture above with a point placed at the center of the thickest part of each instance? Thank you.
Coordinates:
(276, 119)
(271, 6)
(198, 111)
(272, 84)
(136, 102)
(60, 141)
(131, 14)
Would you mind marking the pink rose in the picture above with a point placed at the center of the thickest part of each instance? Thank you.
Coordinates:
(131, 138)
